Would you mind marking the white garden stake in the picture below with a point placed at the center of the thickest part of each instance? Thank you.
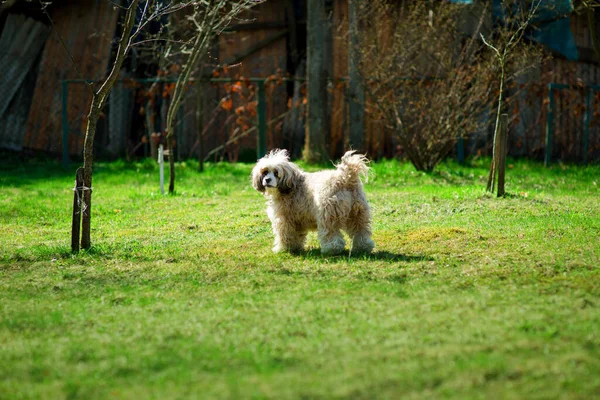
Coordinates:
(161, 163)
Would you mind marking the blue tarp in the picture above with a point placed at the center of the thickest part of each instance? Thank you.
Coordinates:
(551, 25)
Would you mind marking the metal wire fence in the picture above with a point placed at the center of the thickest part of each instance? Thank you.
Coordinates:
(239, 119)
(573, 123)
(221, 118)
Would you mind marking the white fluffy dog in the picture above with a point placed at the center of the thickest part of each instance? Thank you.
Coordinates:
(327, 201)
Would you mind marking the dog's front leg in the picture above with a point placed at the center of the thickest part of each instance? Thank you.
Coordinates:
(287, 237)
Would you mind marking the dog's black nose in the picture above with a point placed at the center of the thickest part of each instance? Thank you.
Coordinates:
(267, 180)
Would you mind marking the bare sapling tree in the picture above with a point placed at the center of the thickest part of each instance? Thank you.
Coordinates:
(145, 12)
(424, 79)
(210, 17)
(506, 40)
(99, 97)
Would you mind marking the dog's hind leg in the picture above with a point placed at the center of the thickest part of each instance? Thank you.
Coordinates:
(331, 239)
(332, 242)
(329, 224)
(358, 227)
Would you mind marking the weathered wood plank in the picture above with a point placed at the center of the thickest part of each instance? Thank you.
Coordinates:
(20, 44)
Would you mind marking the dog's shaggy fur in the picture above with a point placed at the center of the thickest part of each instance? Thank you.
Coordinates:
(327, 201)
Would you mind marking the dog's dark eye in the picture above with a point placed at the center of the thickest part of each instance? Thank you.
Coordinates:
(276, 174)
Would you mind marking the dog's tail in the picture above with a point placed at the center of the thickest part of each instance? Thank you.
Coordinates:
(352, 166)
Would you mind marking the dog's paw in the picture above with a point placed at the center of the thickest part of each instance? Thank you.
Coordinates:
(333, 248)
(332, 251)
(289, 249)
(362, 245)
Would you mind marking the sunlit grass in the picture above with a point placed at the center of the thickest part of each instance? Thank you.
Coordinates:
(180, 296)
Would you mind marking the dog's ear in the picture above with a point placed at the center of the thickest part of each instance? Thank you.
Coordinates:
(256, 180)
(284, 189)
(290, 178)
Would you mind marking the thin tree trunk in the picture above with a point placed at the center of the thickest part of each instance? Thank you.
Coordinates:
(98, 101)
(200, 47)
(171, 147)
(491, 183)
(88, 159)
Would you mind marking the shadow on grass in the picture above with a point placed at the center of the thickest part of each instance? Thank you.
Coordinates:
(37, 253)
(343, 267)
(40, 253)
(375, 256)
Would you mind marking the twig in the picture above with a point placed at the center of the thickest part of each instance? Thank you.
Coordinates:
(502, 56)
(62, 42)
(162, 40)
(242, 134)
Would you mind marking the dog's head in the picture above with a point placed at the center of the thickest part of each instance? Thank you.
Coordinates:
(275, 172)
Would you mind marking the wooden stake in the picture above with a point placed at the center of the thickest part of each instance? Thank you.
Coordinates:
(501, 163)
(76, 219)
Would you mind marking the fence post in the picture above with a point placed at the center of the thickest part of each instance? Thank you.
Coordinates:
(315, 149)
(65, 124)
(586, 125)
(261, 141)
(549, 121)
(501, 161)
(200, 118)
(460, 150)
(356, 94)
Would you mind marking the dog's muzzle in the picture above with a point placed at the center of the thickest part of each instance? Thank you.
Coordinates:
(268, 182)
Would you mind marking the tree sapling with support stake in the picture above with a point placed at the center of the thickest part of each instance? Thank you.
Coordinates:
(149, 10)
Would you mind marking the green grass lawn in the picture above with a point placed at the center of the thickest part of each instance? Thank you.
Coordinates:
(466, 296)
